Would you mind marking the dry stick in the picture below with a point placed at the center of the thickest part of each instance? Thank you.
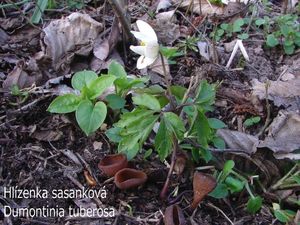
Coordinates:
(122, 19)
(219, 210)
(268, 110)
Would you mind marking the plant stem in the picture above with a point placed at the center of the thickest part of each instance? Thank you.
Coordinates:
(281, 181)
(249, 190)
(169, 93)
(3, 6)
(121, 17)
(164, 191)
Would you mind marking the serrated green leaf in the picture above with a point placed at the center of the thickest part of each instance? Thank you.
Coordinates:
(130, 117)
(201, 127)
(98, 86)
(272, 41)
(216, 123)
(205, 154)
(64, 104)
(39, 9)
(115, 101)
(163, 141)
(82, 79)
(178, 92)
(206, 93)
(254, 204)
(116, 69)
(148, 101)
(174, 124)
(220, 191)
(89, 116)
(114, 134)
(233, 184)
(136, 127)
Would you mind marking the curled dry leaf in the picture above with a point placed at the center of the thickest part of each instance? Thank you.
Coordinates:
(166, 28)
(174, 216)
(203, 184)
(129, 178)
(206, 6)
(23, 75)
(111, 164)
(69, 36)
(157, 66)
(282, 93)
(238, 141)
(284, 136)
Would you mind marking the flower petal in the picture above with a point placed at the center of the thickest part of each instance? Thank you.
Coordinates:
(140, 36)
(146, 29)
(151, 50)
(143, 62)
(141, 50)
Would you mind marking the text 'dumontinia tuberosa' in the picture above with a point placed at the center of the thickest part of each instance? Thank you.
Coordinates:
(129, 178)
(111, 164)
(202, 185)
(174, 216)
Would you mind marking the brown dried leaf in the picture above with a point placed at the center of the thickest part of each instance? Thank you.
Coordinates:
(47, 135)
(23, 75)
(238, 141)
(284, 136)
(283, 93)
(101, 49)
(203, 184)
(206, 7)
(157, 66)
(65, 37)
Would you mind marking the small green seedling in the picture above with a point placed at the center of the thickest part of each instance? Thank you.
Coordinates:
(21, 95)
(190, 43)
(252, 121)
(286, 32)
(228, 30)
(90, 113)
(284, 216)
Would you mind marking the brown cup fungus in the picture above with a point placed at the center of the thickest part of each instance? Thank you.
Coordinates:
(111, 164)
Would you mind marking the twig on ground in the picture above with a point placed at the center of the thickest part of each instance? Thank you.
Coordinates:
(221, 211)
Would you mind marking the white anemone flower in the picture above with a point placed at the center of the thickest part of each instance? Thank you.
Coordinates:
(148, 48)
